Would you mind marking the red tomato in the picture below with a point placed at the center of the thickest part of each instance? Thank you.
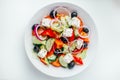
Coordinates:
(49, 32)
(78, 60)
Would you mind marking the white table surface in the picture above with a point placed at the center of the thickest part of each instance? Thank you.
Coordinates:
(15, 15)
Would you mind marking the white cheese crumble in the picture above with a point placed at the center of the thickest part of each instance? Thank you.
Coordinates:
(46, 22)
(79, 43)
(68, 58)
(75, 22)
(42, 53)
(67, 32)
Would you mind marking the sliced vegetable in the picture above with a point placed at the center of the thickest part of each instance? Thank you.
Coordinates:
(44, 61)
(81, 22)
(36, 33)
(72, 37)
(62, 62)
(42, 47)
(37, 41)
(76, 32)
(82, 55)
(85, 39)
(72, 46)
(49, 32)
(51, 52)
(63, 21)
(76, 51)
(53, 14)
(78, 60)
(59, 43)
(49, 43)
(83, 32)
(33, 33)
(56, 63)
(56, 25)
(66, 49)
(57, 29)
(52, 58)
(33, 27)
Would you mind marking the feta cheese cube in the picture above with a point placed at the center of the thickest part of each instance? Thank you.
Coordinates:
(79, 43)
(68, 58)
(46, 22)
(42, 53)
(67, 32)
(75, 22)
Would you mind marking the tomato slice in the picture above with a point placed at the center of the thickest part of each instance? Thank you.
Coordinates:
(78, 60)
(72, 37)
(43, 61)
(49, 32)
(59, 43)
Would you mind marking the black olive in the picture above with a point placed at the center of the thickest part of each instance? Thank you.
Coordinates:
(71, 64)
(33, 27)
(86, 30)
(74, 14)
(64, 40)
(57, 51)
(85, 45)
(36, 48)
(71, 27)
(52, 14)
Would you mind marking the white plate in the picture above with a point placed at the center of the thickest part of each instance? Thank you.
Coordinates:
(61, 72)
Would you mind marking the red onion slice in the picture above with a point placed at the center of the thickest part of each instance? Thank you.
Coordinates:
(36, 33)
(62, 10)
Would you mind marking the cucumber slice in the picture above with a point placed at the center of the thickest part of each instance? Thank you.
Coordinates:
(42, 47)
(62, 62)
(83, 54)
(52, 58)
(63, 21)
(57, 29)
(73, 46)
(56, 26)
(68, 20)
(36, 41)
(76, 32)
(65, 48)
(46, 60)
(49, 44)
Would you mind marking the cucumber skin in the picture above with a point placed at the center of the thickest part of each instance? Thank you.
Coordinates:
(63, 64)
(48, 43)
(52, 58)
(83, 54)
(36, 41)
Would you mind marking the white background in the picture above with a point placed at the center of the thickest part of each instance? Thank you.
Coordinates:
(15, 15)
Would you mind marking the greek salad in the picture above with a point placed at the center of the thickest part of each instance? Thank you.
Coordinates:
(61, 39)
